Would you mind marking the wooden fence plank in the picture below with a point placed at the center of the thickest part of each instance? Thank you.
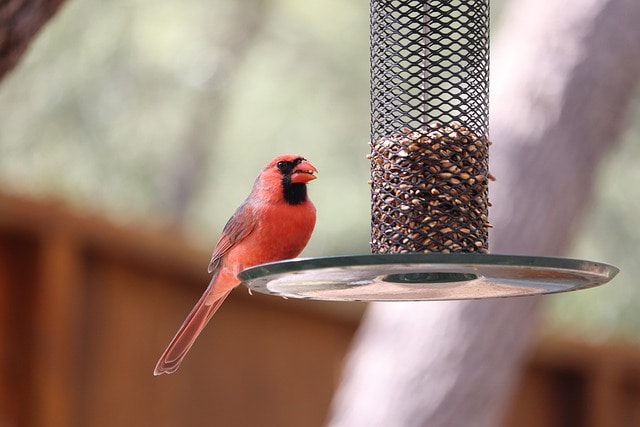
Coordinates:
(56, 304)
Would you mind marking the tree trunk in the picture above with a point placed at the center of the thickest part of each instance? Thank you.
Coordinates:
(563, 74)
(20, 20)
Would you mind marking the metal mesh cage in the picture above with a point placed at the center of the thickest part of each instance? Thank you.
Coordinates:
(429, 125)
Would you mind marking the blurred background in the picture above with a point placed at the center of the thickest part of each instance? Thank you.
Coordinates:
(138, 127)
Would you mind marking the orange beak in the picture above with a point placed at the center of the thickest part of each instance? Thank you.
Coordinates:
(303, 173)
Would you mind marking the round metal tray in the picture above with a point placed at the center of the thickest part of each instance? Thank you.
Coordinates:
(424, 277)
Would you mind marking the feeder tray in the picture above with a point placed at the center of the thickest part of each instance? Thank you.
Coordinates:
(419, 277)
(429, 175)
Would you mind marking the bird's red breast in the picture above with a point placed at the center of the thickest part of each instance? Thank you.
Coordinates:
(275, 222)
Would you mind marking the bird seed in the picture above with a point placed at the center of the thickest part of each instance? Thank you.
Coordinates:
(429, 191)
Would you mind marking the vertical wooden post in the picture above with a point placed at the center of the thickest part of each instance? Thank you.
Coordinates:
(56, 335)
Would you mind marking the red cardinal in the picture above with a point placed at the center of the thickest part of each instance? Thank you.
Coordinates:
(274, 223)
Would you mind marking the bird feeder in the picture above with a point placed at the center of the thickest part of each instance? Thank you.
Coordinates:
(429, 175)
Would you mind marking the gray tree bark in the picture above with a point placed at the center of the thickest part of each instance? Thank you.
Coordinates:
(563, 76)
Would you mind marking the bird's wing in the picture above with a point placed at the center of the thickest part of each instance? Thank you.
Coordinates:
(239, 226)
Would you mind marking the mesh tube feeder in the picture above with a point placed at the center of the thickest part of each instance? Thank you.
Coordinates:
(429, 175)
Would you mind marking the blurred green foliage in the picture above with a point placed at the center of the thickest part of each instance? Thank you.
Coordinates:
(111, 96)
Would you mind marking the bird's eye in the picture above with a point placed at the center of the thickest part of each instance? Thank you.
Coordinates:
(281, 165)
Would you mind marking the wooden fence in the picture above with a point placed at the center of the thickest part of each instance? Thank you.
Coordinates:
(86, 308)
(572, 384)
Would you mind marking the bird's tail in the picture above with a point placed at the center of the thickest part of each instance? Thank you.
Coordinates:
(204, 309)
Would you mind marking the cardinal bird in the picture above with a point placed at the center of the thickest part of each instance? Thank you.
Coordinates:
(275, 222)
